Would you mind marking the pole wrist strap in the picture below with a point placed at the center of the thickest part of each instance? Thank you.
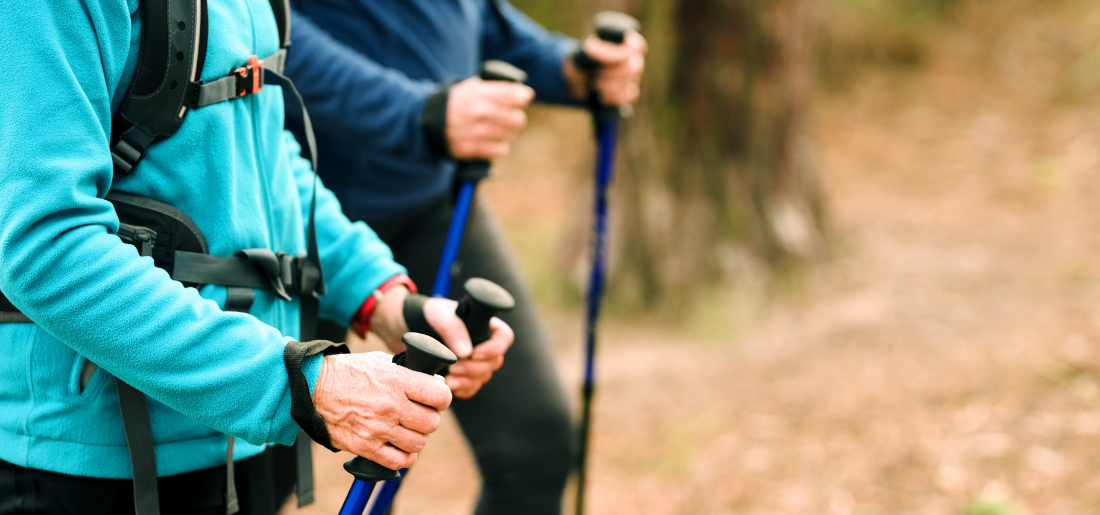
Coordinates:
(302, 409)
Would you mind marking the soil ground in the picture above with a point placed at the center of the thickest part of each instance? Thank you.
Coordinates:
(945, 359)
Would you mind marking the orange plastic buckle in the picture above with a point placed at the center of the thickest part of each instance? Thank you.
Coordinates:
(254, 70)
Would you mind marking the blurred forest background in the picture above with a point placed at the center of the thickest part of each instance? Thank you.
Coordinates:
(855, 262)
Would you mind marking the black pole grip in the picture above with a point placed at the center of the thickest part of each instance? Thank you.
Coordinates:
(500, 70)
(422, 354)
(483, 300)
(612, 26)
(477, 169)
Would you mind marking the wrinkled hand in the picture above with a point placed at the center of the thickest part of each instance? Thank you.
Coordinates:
(378, 410)
(621, 67)
(484, 117)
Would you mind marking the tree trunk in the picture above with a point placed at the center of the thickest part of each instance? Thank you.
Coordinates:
(717, 171)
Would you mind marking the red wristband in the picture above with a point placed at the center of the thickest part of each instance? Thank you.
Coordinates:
(360, 323)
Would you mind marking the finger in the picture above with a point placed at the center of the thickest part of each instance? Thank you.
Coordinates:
(463, 387)
(637, 42)
(500, 340)
(480, 149)
(479, 370)
(492, 132)
(485, 150)
(507, 117)
(406, 439)
(607, 53)
(426, 390)
(440, 314)
(507, 93)
(390, 457)
(419, 418)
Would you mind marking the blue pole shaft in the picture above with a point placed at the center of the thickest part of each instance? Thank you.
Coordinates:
(441, 288)
(606, 134)
(357, 498)
(605, 166)
(385, 496)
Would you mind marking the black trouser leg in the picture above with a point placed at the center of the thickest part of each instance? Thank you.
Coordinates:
(518, 425)
(25, 491)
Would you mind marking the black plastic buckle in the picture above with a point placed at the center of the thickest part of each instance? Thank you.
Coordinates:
(250, 77)
(307, 277)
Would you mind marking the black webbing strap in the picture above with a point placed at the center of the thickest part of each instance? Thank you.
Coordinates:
(239, 299)
(9, 314)
(235, 84)
(139, 438)
(313, 284)
(14, 317)
(302, 409)
(131, 148)
(303, 454)
(192, 267)
(232, 503)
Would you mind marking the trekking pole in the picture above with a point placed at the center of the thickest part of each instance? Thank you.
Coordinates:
(468, 175)
(611, 27)
(422, 354)
(483, 300)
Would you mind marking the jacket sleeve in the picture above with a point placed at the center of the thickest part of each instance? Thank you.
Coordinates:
(353, 258)
(378, 106)
(509, 35)
(62, 264)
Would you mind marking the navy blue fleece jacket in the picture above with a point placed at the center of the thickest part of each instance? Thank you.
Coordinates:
(366, 68)
(231, 167)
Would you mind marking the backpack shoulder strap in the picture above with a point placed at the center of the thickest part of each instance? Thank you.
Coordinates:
(173, 48)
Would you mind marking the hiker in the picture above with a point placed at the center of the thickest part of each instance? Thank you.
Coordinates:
(162, 243)
(393, 91)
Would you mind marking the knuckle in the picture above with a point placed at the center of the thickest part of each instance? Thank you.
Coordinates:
(481, 111)
(433, 422)
(392, 463)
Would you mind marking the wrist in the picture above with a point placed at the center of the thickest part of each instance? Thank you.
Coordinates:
(575, 79)
(433, 121)
(368, 315)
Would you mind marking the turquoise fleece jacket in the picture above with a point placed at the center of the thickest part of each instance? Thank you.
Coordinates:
(231, 167)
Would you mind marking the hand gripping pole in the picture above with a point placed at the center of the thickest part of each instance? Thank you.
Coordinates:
(422, 354)
(468, 175)
(612, 27)
(482, 301)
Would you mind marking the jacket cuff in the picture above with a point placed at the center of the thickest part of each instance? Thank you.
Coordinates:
(433, 121)
(302, 409)
(546, 76)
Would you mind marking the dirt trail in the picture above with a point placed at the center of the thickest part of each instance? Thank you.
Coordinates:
(948, 353)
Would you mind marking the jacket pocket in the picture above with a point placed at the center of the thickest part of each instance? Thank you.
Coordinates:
(82, 375)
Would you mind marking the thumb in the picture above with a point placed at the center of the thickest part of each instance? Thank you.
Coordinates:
(440, 314)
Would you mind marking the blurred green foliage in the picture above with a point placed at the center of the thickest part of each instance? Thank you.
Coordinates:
(565, 16)
(982, 507)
